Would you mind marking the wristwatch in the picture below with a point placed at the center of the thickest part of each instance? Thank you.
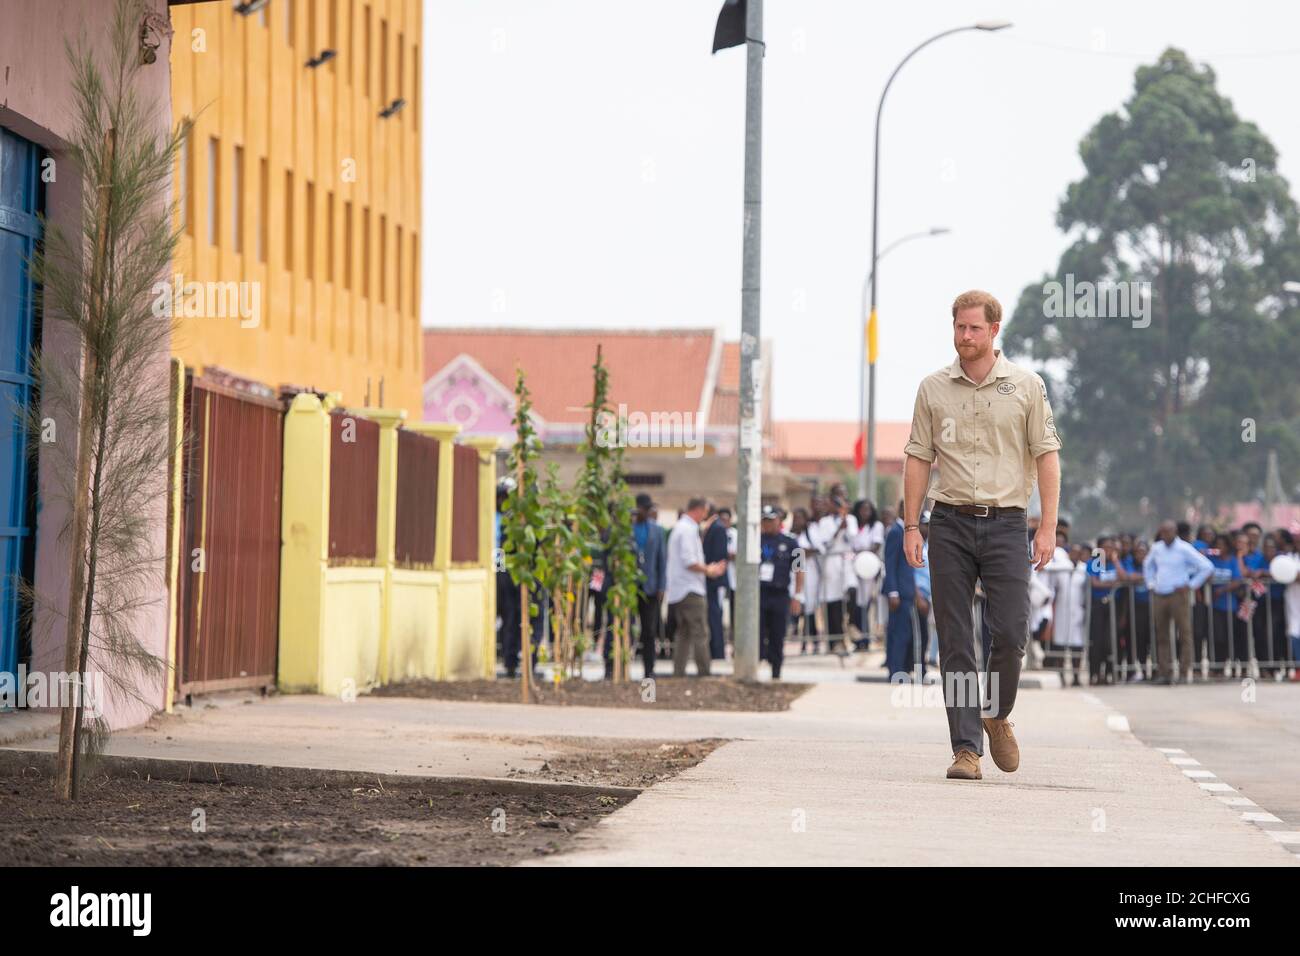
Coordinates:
(911, 527)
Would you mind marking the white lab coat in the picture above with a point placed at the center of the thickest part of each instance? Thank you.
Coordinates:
(837, 556)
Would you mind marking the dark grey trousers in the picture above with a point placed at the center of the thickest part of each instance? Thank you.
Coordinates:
(996, 551)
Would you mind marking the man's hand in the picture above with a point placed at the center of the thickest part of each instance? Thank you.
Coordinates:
(1044, 547)
(795, 607)
(912, 545)
(922, 606)
(894, 601)
(716, 569)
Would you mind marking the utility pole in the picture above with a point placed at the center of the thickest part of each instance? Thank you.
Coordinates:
(749, 459)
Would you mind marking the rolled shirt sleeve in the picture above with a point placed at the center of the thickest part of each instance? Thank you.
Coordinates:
(1041, 425)
(920, 443)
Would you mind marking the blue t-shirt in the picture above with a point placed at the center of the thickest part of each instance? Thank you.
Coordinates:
(1131, 566)
(1225, 570)
(1106, 573)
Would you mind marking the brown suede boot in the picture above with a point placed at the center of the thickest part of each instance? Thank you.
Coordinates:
(965, 766)
(1002, 744)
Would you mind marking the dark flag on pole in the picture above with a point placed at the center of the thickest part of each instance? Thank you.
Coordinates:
(731, 25)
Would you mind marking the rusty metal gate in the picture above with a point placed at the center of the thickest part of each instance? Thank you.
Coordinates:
(228, 598)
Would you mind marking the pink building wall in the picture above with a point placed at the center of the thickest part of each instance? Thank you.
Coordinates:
(36, 93)
(464, 396)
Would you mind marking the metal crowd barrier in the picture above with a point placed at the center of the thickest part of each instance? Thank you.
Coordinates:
(1115, 656)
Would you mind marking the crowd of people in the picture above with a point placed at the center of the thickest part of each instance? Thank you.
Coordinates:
(1214, 597)
(1211, 592)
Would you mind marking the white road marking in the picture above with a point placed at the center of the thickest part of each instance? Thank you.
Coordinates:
(1178, 758)
(1117, 722)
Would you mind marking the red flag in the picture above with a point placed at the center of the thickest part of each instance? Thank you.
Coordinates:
(859, 456)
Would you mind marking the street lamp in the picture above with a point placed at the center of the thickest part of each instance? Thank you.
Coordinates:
(862, 361)
(987, 26)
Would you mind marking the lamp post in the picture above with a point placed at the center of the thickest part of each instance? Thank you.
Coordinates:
(862, 362)
(987, 26)
(740, 23)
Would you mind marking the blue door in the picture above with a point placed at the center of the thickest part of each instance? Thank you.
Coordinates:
(20, 201)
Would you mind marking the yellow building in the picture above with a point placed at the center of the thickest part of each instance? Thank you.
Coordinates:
(297, 186)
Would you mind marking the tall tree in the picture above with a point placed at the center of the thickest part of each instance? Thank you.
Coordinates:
(1182, 196)
(594, 484)
(522, 522)
(101, 282)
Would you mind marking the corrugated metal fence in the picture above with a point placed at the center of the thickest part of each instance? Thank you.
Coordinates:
(464, 504)
(229, 581)
(354, 488)
(417, 498)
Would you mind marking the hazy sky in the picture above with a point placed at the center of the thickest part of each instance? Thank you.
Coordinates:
(583, 162)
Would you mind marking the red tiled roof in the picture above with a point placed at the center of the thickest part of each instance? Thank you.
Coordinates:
(725, 409)
(811, 440)
(729, 370)
(660, 370)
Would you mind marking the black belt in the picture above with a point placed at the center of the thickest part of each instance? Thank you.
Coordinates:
(979, 511)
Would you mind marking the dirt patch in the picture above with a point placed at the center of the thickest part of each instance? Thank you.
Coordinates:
(292, 817)
(601, 761)
(669, 693)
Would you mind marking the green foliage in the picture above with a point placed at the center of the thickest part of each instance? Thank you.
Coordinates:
(1181, 193)
(522, 519)
(110, 391)
(560, 553)
(593, 482)
(621, 555)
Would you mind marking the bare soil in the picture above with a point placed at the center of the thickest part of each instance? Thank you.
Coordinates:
(296, 820)
(601, 761)
(669, 693)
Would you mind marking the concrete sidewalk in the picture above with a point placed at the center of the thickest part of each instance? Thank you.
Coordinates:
(850, 775)
(855, 780)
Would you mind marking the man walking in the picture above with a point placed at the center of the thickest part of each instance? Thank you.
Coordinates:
(686, 572)
(1173, 570)
(988, 425)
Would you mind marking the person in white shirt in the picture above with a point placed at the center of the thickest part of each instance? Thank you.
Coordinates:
(804, 530)
(686, 573)
(870, 537)
(836, 532)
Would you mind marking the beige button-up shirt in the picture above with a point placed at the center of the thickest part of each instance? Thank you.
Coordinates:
(984, 435)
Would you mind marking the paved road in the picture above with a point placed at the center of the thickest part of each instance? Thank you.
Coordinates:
(1248, 735)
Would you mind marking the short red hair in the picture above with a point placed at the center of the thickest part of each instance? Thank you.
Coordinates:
(977, 297)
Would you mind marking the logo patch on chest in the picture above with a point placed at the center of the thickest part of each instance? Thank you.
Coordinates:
(1006, 388)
